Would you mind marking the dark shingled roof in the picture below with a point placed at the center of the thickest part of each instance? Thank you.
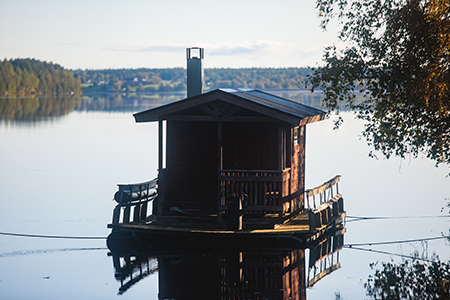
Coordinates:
(255, 100)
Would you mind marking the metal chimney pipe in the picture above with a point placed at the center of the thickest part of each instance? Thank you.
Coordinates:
(194, 57)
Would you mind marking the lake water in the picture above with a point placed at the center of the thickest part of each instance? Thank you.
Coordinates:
(60, 163)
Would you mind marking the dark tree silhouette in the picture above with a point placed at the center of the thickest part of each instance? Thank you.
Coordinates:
(398, 55)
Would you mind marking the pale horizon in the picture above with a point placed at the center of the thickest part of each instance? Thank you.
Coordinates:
(100, 34)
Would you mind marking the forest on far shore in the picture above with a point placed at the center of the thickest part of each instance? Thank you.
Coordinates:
(30, 76)
(174, 79)
(34, 77)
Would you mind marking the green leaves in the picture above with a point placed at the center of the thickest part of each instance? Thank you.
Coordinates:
(399, 53)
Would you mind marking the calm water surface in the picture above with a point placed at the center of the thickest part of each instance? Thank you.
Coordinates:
(59, 167)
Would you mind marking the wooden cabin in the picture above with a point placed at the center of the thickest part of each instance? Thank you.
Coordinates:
(224, 148)
(229, 161)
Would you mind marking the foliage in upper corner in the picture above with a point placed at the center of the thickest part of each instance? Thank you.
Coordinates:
(31, 76)
(398, 55)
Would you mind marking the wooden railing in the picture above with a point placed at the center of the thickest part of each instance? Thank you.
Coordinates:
(133, 201)
(325, 192)
(261, 191)
(330, 206)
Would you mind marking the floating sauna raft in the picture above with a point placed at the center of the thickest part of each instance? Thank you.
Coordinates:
(133, 227)
(231, 169)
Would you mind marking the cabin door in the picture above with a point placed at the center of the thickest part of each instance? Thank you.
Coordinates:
(191, 162)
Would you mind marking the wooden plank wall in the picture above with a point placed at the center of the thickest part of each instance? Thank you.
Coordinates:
(250, 146)
(298, 167)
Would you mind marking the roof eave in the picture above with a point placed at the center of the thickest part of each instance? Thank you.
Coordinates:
(154, 114)
(312, 119)
(159, 113)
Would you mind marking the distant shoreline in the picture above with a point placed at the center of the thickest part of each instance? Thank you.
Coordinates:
(184, 92)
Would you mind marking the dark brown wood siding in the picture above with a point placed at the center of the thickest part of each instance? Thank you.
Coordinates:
(301, 156)
(297, 180)
(250, 146)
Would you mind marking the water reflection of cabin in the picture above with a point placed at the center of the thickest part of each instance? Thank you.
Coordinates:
(231, 143)
(262, 274)
(258, 273)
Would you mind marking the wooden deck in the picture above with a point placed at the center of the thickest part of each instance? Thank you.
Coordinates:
(131, 226)
(298, 227)
(300, 224)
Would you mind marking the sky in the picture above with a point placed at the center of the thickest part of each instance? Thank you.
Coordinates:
(110, 34)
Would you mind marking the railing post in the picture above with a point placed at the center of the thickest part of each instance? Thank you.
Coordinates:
(312, 221)
(144, 207)
(234, 213)
(126, 214)
(137, 212)
(116, 214)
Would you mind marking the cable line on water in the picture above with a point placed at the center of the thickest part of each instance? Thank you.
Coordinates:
(357, 218)
(47, 251)
(398, 242)
(391, 253)
(54, 236)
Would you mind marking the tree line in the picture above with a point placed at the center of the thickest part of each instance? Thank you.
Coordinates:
(31, 76)
(174, 79)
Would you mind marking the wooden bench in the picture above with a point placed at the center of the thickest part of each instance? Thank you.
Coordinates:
(133, 200)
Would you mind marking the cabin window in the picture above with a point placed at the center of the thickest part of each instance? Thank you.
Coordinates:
(296, 137)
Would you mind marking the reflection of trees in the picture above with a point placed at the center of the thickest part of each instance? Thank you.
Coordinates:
(411, 279)
(35, 108)
(311, 99)
(127, 102)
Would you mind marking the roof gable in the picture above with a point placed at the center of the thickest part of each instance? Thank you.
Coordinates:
(224, 104)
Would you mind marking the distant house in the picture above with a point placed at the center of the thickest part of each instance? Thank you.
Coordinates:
(131, 80)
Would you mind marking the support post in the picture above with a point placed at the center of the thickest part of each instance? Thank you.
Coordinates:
(219, 167)
(160, 198)
(280, 148)
(234, 213)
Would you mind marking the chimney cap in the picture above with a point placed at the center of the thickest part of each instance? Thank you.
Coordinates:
(190, 55)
